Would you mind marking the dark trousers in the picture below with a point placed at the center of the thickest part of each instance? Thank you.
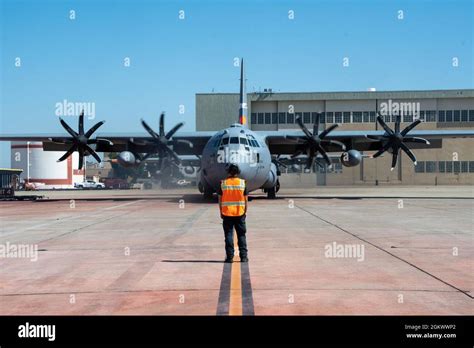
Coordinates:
(229, 223)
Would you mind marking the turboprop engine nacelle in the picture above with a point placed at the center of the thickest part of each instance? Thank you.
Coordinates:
(189, 170)
(351, 158)
(126, 159)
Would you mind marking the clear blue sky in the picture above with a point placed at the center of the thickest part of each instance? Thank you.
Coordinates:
(172, 59)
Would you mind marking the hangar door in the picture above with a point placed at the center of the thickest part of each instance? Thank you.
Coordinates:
(379, 169)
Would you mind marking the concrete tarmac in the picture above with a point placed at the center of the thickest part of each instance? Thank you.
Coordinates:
(324, 251)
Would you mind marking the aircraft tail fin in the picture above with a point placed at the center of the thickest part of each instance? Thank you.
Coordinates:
(243, 97)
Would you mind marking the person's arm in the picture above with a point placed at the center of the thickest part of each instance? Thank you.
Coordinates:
(246, 199)
(219, 198)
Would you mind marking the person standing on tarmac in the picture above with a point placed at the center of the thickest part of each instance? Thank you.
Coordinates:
(233, 207)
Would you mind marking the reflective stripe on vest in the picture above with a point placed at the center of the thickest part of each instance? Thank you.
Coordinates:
(230, 204)
(233, 199)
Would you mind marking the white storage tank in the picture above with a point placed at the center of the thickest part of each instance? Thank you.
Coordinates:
(41, 167)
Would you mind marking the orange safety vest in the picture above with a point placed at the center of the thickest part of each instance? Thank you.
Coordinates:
(233, 199)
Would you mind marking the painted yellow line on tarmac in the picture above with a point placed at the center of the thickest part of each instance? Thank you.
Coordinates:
(235, 303)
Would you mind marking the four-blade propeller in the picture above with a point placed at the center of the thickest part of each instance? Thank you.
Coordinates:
(394, 140)
(80, 141)
(314, 142)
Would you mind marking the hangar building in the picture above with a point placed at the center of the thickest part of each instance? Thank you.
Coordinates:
(439, 109)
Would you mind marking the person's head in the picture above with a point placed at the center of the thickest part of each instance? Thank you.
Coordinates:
(233, 169)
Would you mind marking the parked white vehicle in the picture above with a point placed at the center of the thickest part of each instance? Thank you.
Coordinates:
(89, 184)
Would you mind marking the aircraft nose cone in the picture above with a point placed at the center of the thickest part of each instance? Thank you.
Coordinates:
(246, 171)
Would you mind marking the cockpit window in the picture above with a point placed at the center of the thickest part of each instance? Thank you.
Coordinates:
(247, 140)
(217, 141)
(250, 140)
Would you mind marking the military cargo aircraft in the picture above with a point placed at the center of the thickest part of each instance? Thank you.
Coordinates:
(256, 152)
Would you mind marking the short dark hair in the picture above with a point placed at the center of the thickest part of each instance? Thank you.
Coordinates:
(233, 169)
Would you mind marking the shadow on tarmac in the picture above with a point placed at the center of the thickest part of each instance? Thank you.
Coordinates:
(194, 261)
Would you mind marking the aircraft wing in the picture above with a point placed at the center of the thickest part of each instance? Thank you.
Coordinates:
(279, 143)
(185, 160)
(139, 142)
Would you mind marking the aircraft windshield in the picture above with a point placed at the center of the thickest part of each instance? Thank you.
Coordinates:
(252, 141)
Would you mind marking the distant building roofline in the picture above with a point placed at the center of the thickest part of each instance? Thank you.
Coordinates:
(410, 94)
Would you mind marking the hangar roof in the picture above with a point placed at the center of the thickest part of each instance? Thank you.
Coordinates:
(279, 96)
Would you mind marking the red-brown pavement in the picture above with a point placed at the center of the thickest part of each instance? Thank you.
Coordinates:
(147, 252)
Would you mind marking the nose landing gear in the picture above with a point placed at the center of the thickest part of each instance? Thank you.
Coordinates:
(271, 192)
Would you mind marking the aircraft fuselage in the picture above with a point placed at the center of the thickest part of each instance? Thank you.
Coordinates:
(237, 144)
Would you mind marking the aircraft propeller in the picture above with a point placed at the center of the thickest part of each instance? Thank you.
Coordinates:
(314, 142)
(162, 142)
(394, 140)
(80, 141)
(278, 163)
